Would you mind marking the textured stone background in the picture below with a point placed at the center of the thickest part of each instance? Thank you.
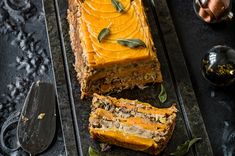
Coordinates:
(217, 105)
(24, 58)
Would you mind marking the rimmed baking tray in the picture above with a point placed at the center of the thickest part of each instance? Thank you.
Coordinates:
(75, 112)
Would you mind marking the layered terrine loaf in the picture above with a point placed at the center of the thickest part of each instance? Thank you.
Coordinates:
(107, 66)
(131, 124)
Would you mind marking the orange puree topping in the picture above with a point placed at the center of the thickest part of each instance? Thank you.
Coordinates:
(130, 24)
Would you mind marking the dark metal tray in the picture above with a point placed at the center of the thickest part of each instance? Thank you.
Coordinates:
(75, 112)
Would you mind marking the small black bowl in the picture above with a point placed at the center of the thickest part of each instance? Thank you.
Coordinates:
(218, 66)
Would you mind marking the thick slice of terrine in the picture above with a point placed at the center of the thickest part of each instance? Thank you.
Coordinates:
(131, 124)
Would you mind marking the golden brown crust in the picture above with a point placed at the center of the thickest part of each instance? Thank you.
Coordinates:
(101, 117)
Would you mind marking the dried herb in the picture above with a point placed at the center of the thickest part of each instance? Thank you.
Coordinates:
(162, 95)
(132, 43)
(103, 33)
(117, 5)
(92, 152)
(184, 148)
(104, 147)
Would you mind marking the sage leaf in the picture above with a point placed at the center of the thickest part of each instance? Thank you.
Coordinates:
(162, 95)
(92, 152)
(132, 43)
(103, 33)
(118, 5)
(184, 148)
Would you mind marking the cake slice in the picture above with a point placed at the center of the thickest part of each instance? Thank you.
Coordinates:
(108, 66)
(131, 124)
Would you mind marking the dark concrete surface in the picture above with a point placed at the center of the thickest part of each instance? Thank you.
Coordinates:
(217, 105)
(18, 71)
(24, 58)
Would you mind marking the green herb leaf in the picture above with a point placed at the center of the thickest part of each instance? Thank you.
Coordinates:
(103, 33)
(132, 43)
(92, 152)
(162, 95)
(184, 148)
(117, 5)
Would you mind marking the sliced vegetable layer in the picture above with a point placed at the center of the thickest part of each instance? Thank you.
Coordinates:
(128, 24)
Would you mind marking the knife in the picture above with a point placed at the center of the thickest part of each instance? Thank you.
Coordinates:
(37, 124)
